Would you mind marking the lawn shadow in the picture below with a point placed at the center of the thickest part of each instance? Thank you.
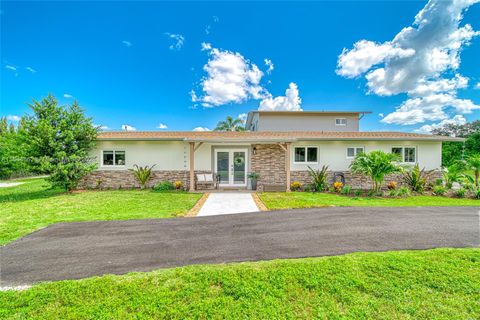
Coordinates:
(30, 195)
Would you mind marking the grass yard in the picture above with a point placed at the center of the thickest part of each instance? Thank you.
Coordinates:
(34, 205)
(284, 200)
(430, 284)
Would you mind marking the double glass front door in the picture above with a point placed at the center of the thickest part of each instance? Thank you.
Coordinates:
(231, 166)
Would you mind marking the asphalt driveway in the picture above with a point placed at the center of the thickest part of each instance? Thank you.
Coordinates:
(83, 249)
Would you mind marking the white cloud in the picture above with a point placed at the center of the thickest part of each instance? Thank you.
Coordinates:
(381, 115)
(215, 19)
(13, 118)
(162, 126)
(269, 65)
(67, 96)
(126, 43)
(207, 29)
(290, 102)
(230, 78)
(177, 39)
(201, 129)
(418, 61)
(127, 127)
(428, 128)
(428, 108)
(31, 69)
(477, 86)
(10, 67)
(243, 117)
(206, 46)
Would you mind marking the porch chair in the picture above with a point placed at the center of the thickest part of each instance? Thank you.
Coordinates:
(206, 181)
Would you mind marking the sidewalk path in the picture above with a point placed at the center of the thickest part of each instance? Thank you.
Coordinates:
(228, 203)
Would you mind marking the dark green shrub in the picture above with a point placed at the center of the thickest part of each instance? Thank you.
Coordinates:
(358, 192)
(415, 179)
(164, 186)
(476, 193)
(403, 192)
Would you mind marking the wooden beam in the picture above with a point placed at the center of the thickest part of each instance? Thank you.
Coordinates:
(287, 164)
(283, 147)
(192, 166)
(198, 146)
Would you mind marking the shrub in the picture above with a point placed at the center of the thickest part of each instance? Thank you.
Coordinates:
(376, 165)
(461, 192)
(295, 186)
(164, 186)
(476, 193)
(308, 188)
(178, 185)
(346, 190)
(142, 174)
(337, 186)
(438, 182)
(319, 178)
(416, 179)
(392, 192)
(473, 163)
(392, 185)
(403, 192)
(439, 190)
(375, 193)
(358, 192)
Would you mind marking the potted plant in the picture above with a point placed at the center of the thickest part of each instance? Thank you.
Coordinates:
(253, 176)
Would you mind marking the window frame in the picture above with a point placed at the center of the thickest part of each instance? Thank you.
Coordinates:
(354, 151)
(102, 164)
(341, 124)
(306, 155)
(403, 153)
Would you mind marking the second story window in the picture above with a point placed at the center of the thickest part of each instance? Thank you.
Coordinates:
(340, 122)
(113, 158)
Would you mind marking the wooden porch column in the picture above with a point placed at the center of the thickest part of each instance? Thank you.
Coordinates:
(287, 163)
(192, 165)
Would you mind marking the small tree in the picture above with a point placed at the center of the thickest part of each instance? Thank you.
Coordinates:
(473, 163)
(59, 139)
(230, 124)
(376, 165)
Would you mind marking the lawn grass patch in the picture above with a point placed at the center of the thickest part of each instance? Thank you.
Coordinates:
(287, 200)
(440, 283)
(34, 205)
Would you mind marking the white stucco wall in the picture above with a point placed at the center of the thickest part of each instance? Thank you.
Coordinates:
(174, 155)
(306, 122)
(334, 153)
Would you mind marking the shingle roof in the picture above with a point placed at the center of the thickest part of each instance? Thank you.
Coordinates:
(267, 136)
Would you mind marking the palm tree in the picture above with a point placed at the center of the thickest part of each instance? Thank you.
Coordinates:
(376, 165)
(473, 163)
(230, 124)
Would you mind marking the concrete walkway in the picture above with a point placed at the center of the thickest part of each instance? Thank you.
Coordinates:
(228, 203)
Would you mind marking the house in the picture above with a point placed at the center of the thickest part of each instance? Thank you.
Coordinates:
(278, 145)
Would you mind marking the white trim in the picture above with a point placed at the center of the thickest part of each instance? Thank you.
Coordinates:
(403, 153)
(231, 177)
(341, 124)
(306, 155)
(354, 151)
(102, 165)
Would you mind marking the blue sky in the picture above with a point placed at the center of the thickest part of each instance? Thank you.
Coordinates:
(139, 63)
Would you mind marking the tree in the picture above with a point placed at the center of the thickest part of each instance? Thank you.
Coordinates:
(230, 124)
(13, 151)
(60, 138)
(473, 163)
(455, 151)
(376, 165)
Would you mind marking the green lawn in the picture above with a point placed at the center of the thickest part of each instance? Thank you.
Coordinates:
(284, 200)
(35, 205)
(431, 284)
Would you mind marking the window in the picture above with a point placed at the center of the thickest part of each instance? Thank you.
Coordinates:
(406, 154)
(340, 122)
(113, 158)
(306, 154)
(352, 152)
